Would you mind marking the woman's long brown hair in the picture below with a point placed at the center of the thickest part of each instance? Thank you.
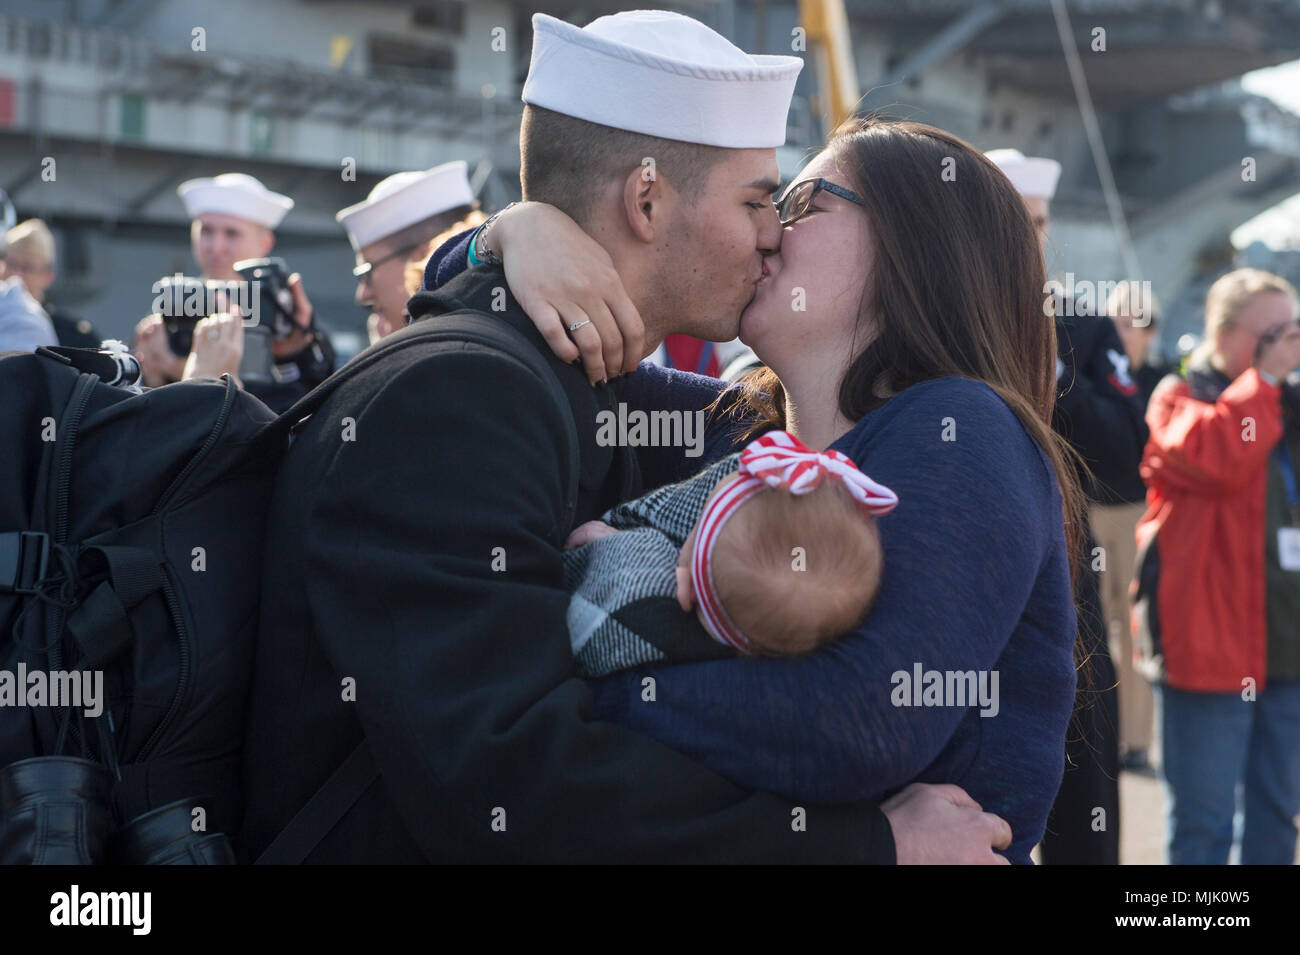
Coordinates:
(957, 288)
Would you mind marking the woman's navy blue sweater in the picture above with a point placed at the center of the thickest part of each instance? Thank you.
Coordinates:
(976, 581)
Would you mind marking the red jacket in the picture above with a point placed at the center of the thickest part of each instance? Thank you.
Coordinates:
(1206, 469)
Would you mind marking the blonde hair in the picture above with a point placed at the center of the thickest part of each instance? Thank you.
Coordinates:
(32, 238)
(794, 572)
(1132, 298)
(1230, 294)
(413, 277)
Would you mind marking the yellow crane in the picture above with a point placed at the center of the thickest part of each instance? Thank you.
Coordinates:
(826, 28)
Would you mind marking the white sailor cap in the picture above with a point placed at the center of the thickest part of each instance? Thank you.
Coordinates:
(1033, 176)
(661, 74)
(234, 194)
(405, 198)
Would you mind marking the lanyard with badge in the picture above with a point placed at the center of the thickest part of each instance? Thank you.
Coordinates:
(1288, 538)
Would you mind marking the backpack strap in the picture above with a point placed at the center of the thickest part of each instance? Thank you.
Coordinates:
(453, 327)
(40, 625)
(313, 822)
(94, 361)
(323, 811)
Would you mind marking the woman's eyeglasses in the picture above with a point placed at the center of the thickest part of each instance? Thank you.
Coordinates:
(798, 199)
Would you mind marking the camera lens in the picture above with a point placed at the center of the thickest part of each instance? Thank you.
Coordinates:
(128, 367)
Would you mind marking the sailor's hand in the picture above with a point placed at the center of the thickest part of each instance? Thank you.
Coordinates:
(302, 335)
(218, 347)
(943, 825)
(588, 532)
(159, 365)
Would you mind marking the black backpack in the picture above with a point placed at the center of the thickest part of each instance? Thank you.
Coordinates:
(131, 537)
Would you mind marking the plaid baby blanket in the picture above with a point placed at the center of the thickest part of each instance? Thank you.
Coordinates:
(624, 611)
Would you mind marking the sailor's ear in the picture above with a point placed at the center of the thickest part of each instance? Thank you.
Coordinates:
(643, 202)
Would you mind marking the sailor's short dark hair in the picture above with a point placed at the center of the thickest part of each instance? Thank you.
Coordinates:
(563, 161)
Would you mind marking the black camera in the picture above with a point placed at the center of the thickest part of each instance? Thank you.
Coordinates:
(125, 369)
(261, 296)
(267, 281)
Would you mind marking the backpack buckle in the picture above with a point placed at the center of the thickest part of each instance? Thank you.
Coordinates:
(24, 557)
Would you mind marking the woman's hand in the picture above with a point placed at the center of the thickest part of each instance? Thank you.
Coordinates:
(562, 277)
(1278, 352)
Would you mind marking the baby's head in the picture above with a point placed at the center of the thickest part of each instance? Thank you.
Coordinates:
(782, 571)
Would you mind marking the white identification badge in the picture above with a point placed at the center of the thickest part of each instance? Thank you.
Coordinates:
(1288, 547)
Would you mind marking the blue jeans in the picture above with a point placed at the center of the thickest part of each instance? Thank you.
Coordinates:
(1214, 741)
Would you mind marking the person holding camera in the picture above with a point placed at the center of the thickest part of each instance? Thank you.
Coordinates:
(233, 221)
(1218, 599)
(394, 226)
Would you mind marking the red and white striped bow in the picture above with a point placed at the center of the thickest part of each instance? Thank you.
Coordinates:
(777, 459)
(780, 459)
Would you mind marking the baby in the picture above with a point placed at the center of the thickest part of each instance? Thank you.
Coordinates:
(776, 548)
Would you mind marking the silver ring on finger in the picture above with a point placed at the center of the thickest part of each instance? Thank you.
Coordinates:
(577, 325)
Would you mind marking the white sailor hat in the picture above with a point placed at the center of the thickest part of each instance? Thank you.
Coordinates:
(405, 198)
(234, 194)
(1033, 176)
(661, 74)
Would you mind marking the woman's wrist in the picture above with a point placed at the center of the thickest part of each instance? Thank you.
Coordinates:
(485, 246)
(477, 253)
